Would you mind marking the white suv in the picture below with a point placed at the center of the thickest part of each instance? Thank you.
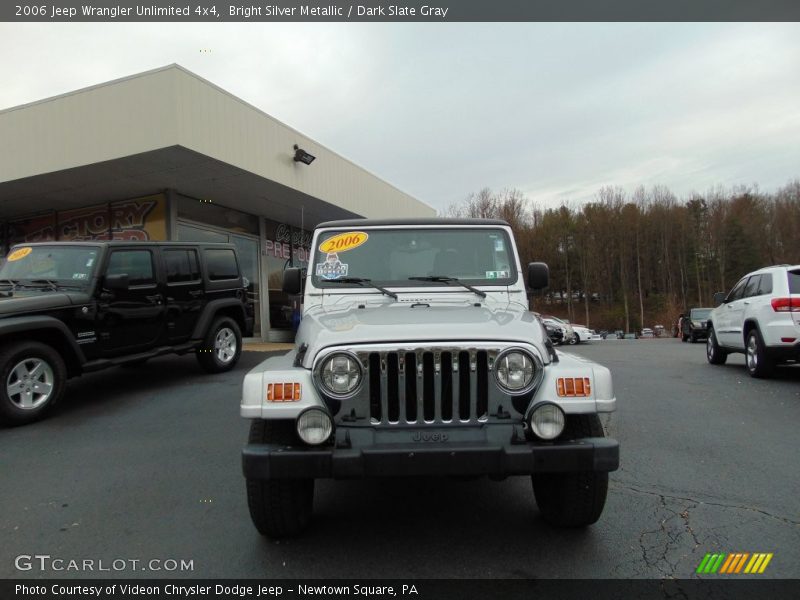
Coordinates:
(760, 317)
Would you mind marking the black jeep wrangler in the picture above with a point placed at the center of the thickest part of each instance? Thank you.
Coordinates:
(67, 308)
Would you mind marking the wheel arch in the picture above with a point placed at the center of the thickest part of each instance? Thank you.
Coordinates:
(747, 327)
(46, 330)
(224, 307)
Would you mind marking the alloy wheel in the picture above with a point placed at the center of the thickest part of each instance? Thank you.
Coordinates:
(30, 383)
(225, 345)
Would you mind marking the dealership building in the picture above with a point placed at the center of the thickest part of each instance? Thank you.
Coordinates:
(167, 155)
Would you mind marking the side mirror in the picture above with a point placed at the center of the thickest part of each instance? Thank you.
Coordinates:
(119, 282)
(538, 276)
(293, 281)
(719, 298)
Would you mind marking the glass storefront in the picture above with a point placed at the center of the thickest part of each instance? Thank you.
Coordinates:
(285, 246)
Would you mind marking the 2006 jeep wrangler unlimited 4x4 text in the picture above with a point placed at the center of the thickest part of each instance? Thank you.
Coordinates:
(67, 308)
(417, 355)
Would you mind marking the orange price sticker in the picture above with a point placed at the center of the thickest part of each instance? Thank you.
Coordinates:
(20, 253)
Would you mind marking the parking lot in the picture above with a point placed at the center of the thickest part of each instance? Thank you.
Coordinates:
(144, 464)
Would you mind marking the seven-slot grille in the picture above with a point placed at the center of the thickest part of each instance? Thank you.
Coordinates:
(428, 386)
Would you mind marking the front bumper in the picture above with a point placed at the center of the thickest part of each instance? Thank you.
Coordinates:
(271, 461)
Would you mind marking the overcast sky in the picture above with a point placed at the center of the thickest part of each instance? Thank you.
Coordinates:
(443, 110)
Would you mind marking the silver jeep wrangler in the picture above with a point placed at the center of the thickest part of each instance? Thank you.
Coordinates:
(417, 355)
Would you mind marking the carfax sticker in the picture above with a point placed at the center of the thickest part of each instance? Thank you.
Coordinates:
(20, 253)
(343, 242)
(332, 268)
(496, 274)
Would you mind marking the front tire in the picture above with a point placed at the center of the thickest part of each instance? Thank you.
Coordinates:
(759, 364)
(32, 379)
(574, 339)
(222, 346)
(573, 499)
(714, 353)
(278, 507)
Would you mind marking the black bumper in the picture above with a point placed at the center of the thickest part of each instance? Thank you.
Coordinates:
(269, 461)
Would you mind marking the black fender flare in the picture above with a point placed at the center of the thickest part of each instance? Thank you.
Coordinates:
(210, 311)
(37, 323)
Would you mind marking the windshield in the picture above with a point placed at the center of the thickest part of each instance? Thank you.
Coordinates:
(392, 257)
(63, 265)
(700, 313)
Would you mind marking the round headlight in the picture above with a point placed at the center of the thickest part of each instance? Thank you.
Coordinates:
(515, 371)
(314, 426)
(340, 375)
(547, 421)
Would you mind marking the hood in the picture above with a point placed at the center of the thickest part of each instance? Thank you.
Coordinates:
(28, 300)
(402, 323)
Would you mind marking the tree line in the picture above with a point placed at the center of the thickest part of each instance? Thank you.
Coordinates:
(633, 260)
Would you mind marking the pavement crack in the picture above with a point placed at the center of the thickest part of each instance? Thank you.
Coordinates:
(707, 503)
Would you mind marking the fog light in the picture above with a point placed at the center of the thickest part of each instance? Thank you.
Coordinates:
(314, 426)
(547, 421)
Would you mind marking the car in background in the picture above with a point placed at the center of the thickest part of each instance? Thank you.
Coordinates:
(554, 332)
(566, 327)
(582, 333)
(759, 317)
(647, 333)
(658, 330)
(695, 326)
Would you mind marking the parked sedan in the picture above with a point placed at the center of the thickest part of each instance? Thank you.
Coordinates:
(582, 334)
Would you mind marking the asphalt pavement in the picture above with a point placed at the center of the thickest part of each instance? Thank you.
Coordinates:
(144, 463)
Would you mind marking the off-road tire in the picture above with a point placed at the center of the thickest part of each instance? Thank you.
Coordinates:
(759, 363)
(714, 353)
(208, 354)
(573, 499)
(12, 356)
(278, 507)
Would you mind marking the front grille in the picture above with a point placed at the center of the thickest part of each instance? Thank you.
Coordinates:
(428, 386)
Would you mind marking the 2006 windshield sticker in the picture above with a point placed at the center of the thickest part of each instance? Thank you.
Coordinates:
(19, 253)
(343, 242)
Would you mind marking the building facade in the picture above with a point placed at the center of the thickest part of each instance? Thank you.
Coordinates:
(166, 155)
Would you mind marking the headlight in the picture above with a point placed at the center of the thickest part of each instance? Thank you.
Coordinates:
(314, 426)
(696, 324)
(340, 375)
(547, 421)
(515, 371)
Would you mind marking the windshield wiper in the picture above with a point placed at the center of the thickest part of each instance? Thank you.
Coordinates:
(447, 280)
(361, 281)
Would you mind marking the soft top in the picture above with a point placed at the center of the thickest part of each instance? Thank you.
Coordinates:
(409, 221)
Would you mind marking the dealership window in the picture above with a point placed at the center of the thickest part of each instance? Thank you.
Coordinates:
(285, 246)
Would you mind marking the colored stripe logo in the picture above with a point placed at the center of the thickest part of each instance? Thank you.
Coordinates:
(734, 563)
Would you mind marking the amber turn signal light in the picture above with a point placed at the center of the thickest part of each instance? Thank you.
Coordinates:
(571, 387)
(283, 392)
